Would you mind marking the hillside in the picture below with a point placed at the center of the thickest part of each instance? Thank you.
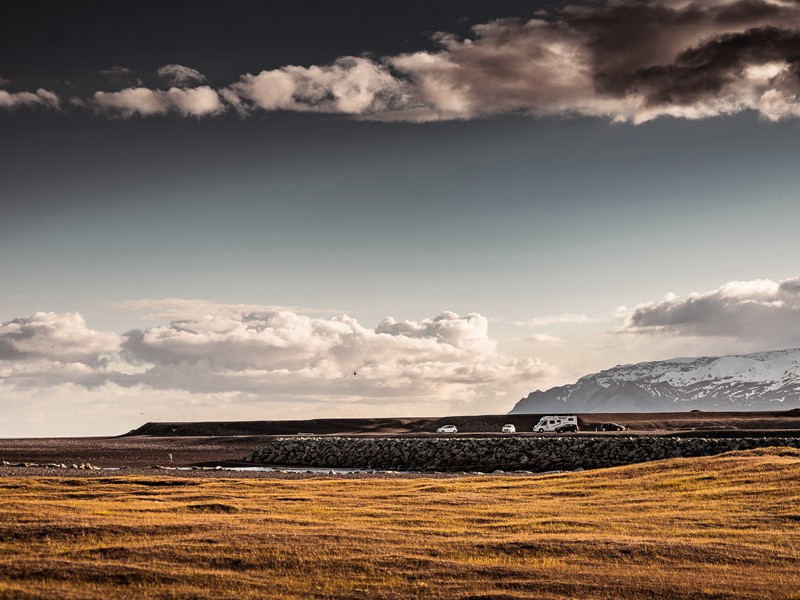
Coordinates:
(760, 381)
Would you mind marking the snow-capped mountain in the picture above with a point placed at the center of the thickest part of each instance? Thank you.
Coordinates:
(761, 381)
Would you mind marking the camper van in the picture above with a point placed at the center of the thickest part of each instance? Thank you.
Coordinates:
(559, 424)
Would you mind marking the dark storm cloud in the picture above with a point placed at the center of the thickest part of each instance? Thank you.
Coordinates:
(626, 36)
(627, 61)
(630, 61)
(759, 310)
(708, 70)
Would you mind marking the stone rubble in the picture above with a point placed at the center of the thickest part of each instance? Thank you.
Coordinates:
(489, 454)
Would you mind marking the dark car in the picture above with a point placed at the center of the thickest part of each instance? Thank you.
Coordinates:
(567, 427)
(612, 427)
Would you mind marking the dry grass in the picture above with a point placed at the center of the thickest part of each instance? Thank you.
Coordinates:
(704, 528)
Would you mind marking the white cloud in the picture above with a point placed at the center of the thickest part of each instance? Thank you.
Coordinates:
(283, 353)
(759, 310)
(131, 101)
(555, 320)
(41, 98)
(256, 356)
(509, 66)
(544, 338)
(54, 336)
(50, 348)
(185, 308)
(351, 85)
(195, 102)
(178, 75)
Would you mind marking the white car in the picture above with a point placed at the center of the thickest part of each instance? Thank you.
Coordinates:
(509, 428)
(447, 429)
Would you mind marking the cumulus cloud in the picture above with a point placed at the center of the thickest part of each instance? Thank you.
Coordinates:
(282, 352)
(178, 75)
(351, 85)
(624, 60)
(252, 354)
(54, 336)
(188, 102)
(50, 348)
(759, 310)
(627, 61)
(41, 98)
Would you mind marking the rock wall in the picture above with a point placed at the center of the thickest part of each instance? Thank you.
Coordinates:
(492, 453)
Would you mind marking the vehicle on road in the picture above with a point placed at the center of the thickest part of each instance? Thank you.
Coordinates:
(509, 428)
(611, 427)
(447, 429)
(557, 424)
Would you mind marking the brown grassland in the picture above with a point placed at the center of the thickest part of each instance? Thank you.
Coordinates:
(704, 527)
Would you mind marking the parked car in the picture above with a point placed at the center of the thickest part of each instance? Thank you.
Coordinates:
(447, 429)
(611, 427)
(509, 428)
(556, 423)
(567, 428)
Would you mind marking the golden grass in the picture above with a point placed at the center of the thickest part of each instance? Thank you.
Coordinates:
(704, 528)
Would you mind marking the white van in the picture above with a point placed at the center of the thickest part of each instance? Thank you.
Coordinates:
(559, 424)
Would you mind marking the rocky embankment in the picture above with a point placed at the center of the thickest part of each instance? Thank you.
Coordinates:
(487, 454)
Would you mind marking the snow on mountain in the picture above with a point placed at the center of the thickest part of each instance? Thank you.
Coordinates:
(760, 381)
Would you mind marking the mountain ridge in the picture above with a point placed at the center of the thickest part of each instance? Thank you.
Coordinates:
(757, 381)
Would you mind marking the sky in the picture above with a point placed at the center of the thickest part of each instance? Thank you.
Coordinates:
(337, 209)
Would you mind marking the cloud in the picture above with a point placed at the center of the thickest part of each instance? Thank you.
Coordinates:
(51, 348)
(543, 338)
(188, 102)
(626, 61)
(555, 320)
(183, 308)
(623, 60)
(54, 336)
(254, 355)
(351, 85)
(41, 98)
(759, 310)
(282, 353)
(118, 74)
(178, 75)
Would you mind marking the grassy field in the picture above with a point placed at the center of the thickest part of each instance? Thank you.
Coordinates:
(706, 528)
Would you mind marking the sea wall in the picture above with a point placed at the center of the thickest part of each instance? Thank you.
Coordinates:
(492, 453)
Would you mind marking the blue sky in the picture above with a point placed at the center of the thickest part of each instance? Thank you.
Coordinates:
(512, 216)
